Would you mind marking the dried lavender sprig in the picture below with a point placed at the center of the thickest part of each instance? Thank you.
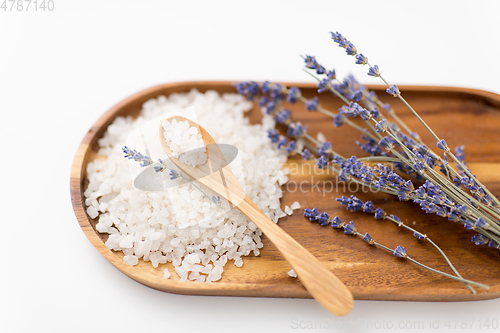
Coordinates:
(161, 166)
(368, 207)
(350, 229)
(419, 235)
(374, 71)
(393, 90)
(393, 137)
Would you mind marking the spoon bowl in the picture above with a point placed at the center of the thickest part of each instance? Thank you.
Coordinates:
(216, 174)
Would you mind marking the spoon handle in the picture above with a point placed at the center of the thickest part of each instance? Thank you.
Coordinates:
(321, 283)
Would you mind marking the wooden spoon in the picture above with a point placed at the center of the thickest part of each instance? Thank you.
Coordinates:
(322, 284)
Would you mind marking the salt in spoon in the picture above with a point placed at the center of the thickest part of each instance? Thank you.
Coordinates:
(322, 284)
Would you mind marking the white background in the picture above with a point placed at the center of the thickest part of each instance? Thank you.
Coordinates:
(61, 70)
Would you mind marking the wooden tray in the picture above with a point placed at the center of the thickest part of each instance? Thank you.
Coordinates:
(461, 116)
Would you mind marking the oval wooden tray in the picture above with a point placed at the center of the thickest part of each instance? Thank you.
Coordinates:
(461, 116)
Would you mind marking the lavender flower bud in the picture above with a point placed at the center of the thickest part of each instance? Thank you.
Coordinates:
(306, 154)
(368, 238)
(374, 71)
(337, 223)
(400, 252)
(442, 145)
(350, 229)
(361, 59)
(393, 90)
(293, 94)
(312, 104)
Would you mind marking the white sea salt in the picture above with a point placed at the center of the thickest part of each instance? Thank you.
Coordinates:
(295, 205)
(288, 210)
(185, 142)
(180, 225)
(292, 273)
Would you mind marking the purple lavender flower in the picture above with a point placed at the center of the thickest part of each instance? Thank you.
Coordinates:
(249, 89)
(338, 38)
(331, 74)
(137, 156)
(347, 45)
(306, 154)
(312, 214)
(216, 200)
(290, 148)
(355, 204)
(480, 239)
(324, 219)
(368, 238)
(418, 166)
(283, 116)
(418, 235)
(263, 101)
(361, 59)
(493, 244)
(350, 49)
(270, 107)
(146, 161)
(386, 142)
(296, 130)
(337, 223)
(481, 223)
(282, 141)
(343, 200)
(350, 229)
(339, 120)
(344, 174)
(368, 207)
(277, 93)
(459, 153)
(442, 145)
(266, 87)
(393, 90)
(129, 153)
(174, 174)
(322, 162)
(358, 96)
(273, 135)
(312, 104)
(293, 94)
(374, 71)
(325, 148)
(160, 166)
(379, 213)
(400, 252)
(353, 110)
(375, 113)
(381, 126)
(324, 85)
(311, 63)
(365, 114)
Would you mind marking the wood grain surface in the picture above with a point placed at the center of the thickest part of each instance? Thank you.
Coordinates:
(459, 115)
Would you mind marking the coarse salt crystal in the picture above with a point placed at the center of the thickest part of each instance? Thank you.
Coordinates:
(131, 260)
(295, 205)
(292, 273)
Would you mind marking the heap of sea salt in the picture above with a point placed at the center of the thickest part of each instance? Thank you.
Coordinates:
(185, 142)
(181, 225)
